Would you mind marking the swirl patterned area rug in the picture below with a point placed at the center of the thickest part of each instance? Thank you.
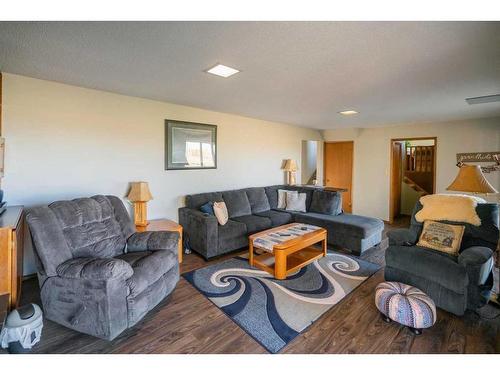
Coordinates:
(274, 311)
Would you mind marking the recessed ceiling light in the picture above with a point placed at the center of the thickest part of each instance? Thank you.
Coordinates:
(222, 71)
(348, 112)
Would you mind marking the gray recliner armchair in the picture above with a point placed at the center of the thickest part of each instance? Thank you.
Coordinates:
(455, 284)
(97, 274)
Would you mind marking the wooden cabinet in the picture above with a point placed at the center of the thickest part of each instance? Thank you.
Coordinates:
(11, 253)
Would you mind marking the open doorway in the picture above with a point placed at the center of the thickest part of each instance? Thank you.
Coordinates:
(309, 163)
(413, 173)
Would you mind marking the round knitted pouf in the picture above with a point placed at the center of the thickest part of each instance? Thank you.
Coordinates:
(406, 305)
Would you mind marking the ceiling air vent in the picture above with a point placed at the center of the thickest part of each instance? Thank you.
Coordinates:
(483, 99)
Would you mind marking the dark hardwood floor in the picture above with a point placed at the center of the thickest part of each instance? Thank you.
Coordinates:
(187, 322)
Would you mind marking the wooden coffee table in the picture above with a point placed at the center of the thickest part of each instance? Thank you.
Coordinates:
(289, 255)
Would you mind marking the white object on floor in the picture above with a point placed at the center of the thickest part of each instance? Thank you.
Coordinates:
(25, 330)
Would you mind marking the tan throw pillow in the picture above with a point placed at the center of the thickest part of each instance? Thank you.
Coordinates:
(282, 198)
(449, 207)
(220, 211)
(442, 237)
(296, 202)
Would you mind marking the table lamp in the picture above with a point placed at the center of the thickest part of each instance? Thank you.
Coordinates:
(290, 167)
(139, 195)
(471, 179)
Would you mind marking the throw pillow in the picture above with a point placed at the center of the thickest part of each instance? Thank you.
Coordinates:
(220, 211)
(282, 198)
(208, 208)
(296, 202)
(326, 202)
(450, 207)
(442, 237)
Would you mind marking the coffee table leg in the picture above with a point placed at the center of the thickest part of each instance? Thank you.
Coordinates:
(325, 247)
(250, 253)
(279, 265)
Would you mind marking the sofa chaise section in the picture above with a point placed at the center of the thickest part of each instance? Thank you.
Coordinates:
(354, 232)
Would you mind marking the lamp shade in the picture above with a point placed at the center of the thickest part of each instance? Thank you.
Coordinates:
(139, 192)
(290, 165)
(471, 179)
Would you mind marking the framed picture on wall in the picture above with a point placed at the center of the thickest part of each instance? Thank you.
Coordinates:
(190, 145)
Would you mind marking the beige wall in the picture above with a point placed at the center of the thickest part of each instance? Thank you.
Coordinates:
(64, 142)
(372, 157)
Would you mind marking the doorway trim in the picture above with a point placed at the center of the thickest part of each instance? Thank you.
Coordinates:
(352, 166)
(391, 192)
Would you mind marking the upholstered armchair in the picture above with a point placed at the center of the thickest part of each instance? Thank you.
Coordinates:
(97, 274)
(455, 284)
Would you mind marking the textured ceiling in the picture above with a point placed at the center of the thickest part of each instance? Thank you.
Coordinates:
(294, 72)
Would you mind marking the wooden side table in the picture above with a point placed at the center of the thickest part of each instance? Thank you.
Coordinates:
(165, 224)
(11, 253)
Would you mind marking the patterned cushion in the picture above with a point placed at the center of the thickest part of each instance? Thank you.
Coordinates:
(405, 304)
(441, 237)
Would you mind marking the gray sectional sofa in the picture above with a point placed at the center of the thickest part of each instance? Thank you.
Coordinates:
(255, 209)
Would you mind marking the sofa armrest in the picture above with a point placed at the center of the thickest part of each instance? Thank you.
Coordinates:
(95, 269)
(475, 255)
(402, 237)
(478, 262)
(200, 230)
(153, 241)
